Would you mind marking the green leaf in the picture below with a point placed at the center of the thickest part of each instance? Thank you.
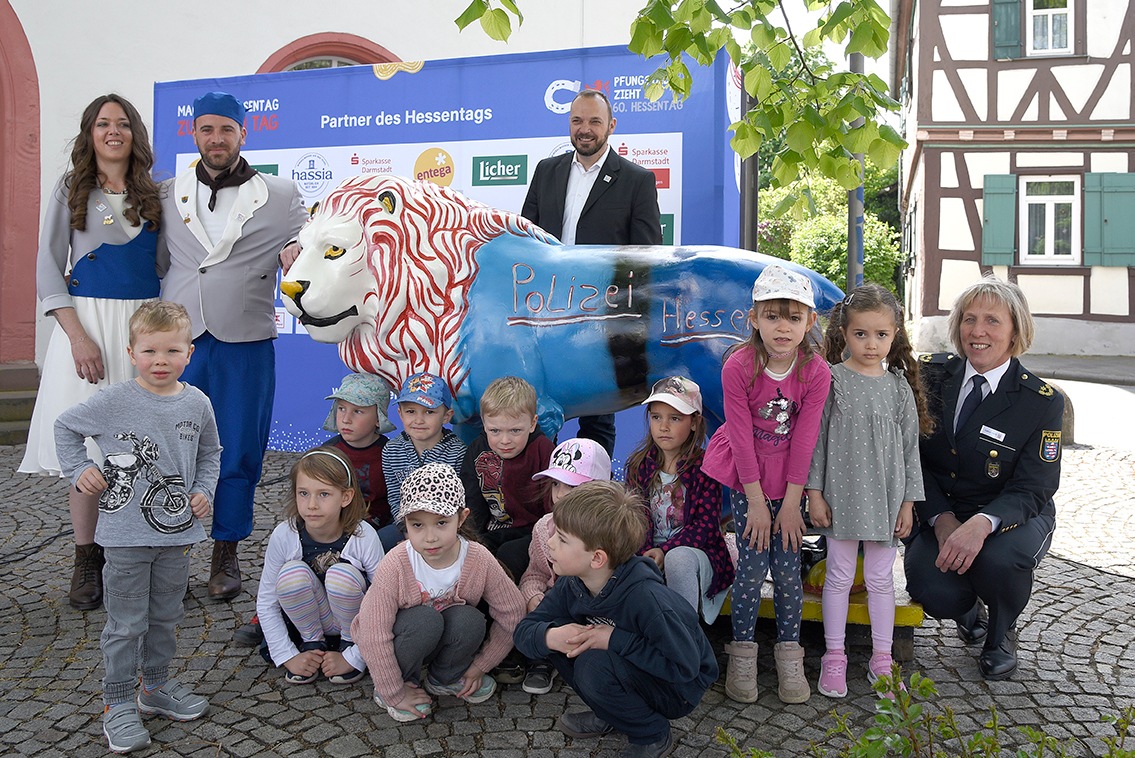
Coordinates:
(839, 15)
(496, 24)
(659, 12)
(654, 88)
(677, 39)
(646, 39)
(511, 6)
(883, 153)
(733, 49)
(860, 40)
(758, 82)
(799, 136)
(701, 22)
(857, 140)
(746, 140)
(763, 35)
(783, 172)
(784, 205)
(779, 55)
(472, 12)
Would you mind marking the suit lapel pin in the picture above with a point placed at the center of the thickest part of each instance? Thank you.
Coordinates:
(185, 198)
(607, 178)
(107, 220)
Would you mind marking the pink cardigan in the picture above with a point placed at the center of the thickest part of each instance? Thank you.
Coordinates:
(754, 445)
(396, 588)
(538, 577)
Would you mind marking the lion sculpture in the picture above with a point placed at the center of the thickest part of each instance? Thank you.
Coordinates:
(409, 276)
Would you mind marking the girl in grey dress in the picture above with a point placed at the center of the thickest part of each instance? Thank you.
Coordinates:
(865, 473)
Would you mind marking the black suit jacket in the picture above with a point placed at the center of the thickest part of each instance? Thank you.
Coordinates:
(622, 208)
(1005, 460)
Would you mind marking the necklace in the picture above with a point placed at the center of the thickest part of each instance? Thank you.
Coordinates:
(109, 191)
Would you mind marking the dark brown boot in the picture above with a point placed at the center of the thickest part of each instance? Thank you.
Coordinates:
(224, 576)
(86, 580)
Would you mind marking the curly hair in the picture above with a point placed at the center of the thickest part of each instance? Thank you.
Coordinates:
(145, 201)
(871, 298)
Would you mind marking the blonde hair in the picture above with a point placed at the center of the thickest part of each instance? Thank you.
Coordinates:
(509, 395)
(160, 316)
(603, 516)
(1003, 293)
(330, 466)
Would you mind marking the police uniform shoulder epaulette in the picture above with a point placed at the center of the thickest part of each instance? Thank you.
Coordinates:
(1033, 382)
(937, 357)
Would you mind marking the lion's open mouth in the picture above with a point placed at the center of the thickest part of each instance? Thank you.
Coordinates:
(309, 320)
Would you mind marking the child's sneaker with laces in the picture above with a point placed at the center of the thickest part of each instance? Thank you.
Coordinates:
(833, 674)
(880, 666)
(123, 728)
(538, 680)
(421, 710)
(483, 693)
(173, 700)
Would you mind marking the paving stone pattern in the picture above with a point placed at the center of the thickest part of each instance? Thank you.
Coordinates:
(1077, 655)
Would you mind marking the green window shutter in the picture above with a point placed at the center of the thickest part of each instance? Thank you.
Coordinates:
(1007, 15)
(999, 220)
(1109, 224)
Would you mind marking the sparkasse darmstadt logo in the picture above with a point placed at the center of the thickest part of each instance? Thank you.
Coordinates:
(312, 173)
(500, 170)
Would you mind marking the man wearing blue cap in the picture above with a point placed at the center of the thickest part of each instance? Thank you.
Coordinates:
(227, 229)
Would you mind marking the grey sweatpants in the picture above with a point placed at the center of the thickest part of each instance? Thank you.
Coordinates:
(445, 640)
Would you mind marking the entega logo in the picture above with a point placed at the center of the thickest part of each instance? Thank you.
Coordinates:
(500, 170)
(312, 173)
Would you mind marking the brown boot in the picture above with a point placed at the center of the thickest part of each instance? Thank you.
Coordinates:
(86, 580)
(224, 576)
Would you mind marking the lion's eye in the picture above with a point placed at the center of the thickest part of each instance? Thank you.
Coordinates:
(334, 252)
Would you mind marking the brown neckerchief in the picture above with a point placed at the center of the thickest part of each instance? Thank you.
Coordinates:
(233, 176)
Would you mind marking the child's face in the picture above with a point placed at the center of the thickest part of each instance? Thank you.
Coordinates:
(357, 424)
(559, 489)
(669, 428)
(161, 357)
(568, 555)
(508, 433)
(321, 505)
(424, 425)
(782, 335)
(869, 335)
(434, 537)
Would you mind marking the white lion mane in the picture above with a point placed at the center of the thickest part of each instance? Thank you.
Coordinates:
(421, 257)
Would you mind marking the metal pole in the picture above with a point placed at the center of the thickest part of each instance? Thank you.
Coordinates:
(749, 185)
(855, 208)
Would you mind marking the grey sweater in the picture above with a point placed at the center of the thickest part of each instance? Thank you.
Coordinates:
(159, 449)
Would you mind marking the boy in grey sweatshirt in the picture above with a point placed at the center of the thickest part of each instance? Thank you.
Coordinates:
(162, 459)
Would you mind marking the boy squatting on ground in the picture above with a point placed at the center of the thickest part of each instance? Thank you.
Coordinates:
(630, 646)
(163, 457)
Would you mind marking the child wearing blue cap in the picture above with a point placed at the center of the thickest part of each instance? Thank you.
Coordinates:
(425, 406)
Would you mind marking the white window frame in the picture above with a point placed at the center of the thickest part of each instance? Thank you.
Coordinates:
(336, 61)
(1048, 258)
(1031, 14)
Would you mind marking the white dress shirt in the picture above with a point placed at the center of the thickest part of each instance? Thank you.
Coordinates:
(580, 182)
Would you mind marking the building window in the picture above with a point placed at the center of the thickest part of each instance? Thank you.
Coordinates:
(1050, 220)
(324, 62)
(1049, 26)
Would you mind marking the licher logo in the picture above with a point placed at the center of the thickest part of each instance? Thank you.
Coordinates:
(434, 165)
(312, 173)
(500, 170)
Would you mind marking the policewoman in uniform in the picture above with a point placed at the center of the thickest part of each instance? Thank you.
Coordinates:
(991, 468)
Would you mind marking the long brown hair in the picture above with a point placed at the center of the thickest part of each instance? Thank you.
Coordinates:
(870, 298)
(782, 308)
(689, 454)
(142, 191)
(330, 466)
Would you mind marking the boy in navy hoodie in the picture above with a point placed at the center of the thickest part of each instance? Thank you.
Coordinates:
(626, 643)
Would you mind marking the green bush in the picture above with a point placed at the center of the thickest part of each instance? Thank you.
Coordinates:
(820, 243)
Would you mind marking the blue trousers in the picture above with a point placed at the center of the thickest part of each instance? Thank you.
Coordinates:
(240, 380)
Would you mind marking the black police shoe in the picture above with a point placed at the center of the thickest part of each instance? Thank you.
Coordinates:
(973, 626)
(998, 662)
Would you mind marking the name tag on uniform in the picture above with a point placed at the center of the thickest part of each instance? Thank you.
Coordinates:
(993, 433)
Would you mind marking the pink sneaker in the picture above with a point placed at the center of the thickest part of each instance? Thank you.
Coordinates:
(880, 665)
(833, 674)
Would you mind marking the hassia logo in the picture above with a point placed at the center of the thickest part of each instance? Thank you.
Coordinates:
(500, 170)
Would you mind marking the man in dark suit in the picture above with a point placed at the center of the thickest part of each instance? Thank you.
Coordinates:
(591, 196)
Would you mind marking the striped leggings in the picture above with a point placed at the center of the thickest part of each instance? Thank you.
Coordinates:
(320, 608)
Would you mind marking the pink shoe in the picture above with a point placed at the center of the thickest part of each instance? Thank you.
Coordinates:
(833, 674)
(880, 665)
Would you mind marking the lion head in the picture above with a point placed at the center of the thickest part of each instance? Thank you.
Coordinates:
(385, 272)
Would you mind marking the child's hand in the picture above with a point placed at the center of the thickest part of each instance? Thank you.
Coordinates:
(334, 664)
(789, 525)
(306, 663)
(655, 554)
(534, 601)
(593, 637)
(199, 504)
(91, 481)
(410, 696)
(906, 519)
(757, 525)
(557, 638)
(818, 509)
(472, 678)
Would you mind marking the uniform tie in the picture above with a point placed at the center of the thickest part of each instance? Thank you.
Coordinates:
(973, 399)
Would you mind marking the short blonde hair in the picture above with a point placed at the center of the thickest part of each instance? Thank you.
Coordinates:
(603, 516)
(1003, 293)
(509, 395)
(160, 316)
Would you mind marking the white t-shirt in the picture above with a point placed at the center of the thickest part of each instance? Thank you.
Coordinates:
(438, 586)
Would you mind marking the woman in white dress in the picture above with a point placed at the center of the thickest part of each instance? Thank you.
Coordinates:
(95, 266)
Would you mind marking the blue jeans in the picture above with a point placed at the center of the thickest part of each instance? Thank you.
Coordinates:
(143, 590)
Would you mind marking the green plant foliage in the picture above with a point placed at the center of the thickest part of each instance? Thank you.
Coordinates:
(824, 115)
(821, 245)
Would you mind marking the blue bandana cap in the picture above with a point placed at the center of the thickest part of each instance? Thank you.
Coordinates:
(364, 390)
(218, 104)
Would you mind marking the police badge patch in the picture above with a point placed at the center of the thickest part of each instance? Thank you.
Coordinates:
(1049, 446)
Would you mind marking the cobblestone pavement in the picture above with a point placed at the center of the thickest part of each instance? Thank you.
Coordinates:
(1077, 655)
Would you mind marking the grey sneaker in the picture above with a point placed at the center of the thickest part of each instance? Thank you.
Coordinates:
(538, 680)
(123, 728)
(420, 711)
(583, 724)
(173, 700)
(483, 693)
